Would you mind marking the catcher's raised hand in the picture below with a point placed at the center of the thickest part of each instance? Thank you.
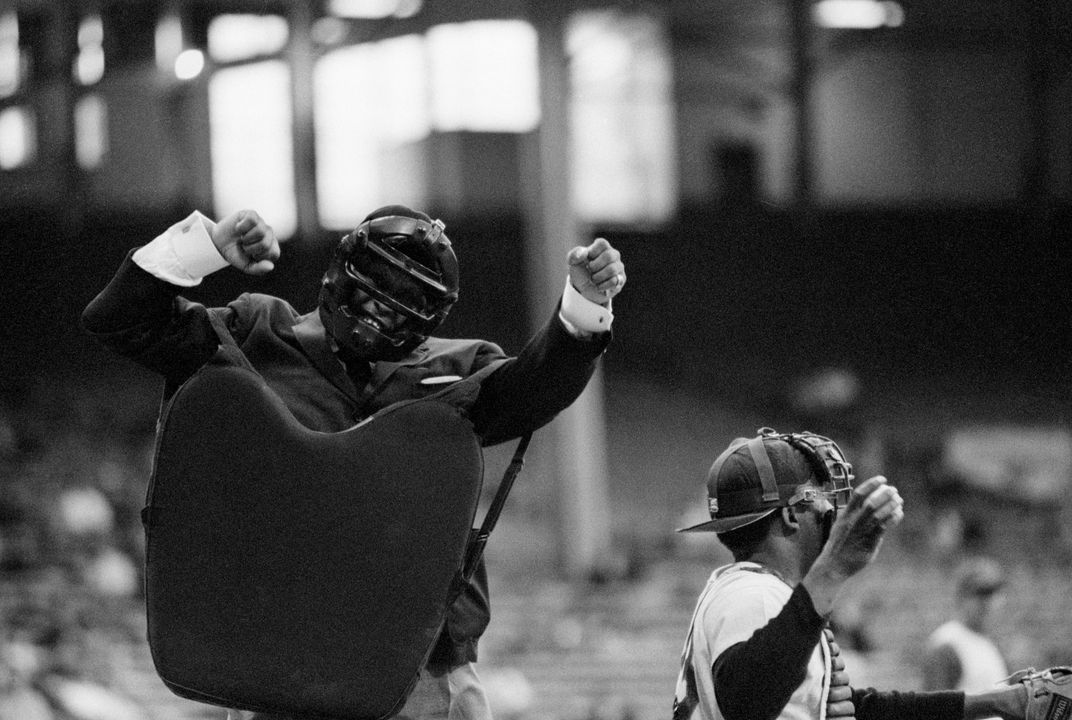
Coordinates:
(874, 507)
(597, 271)
(247, 242)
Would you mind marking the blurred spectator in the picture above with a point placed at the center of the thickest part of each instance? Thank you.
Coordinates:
(84, 700)
(84, 511)
(509, 692)
(959, 654)
(853, 621)
(111, 573)
(54, 658)
(19, 700)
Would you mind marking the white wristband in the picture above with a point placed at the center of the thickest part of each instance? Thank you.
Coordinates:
(184, 253)
(583, 314)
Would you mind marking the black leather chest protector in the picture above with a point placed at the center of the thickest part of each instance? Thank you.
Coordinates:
(298, 572)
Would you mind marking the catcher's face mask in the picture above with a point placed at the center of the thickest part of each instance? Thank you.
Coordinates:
(831, 468)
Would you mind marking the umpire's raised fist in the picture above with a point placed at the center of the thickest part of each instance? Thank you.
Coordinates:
(247, 242)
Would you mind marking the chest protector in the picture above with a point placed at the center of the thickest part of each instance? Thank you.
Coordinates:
(298, 572)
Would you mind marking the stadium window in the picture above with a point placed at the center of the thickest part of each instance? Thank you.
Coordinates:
(89, 63)
(250, 123)
(484, 76)
(168, 41)
(18, 137)
(11, 63)
(23, 50)
(621, 117)
(857, 14)
(370, 101)
(232, 38)
(90, 131)
(374, 9)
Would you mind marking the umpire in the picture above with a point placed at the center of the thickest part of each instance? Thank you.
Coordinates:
(367, 345)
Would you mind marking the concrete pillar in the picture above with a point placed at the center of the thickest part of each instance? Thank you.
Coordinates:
(572, 449)
(302, 59)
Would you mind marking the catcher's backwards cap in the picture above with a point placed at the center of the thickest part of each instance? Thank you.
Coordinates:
(754, 477)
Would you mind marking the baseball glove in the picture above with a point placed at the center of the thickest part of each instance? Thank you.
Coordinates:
(1049, 692)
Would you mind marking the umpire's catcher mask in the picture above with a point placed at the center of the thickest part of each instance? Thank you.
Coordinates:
(755, 477)
(402, 260)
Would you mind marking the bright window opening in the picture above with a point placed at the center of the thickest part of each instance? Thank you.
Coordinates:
(168, 41)
(371, 109)
(241, 37)
(857, 14)
(484, 76)
(10, 60)
(621, 118)
(89, 63)
(374, 9)
(252, 148)
(90, 131)
(18, 138)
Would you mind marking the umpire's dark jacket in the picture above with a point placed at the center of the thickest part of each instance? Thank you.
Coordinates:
(144, 318)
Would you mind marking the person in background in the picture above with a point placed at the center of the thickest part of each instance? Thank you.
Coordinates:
(959, 654)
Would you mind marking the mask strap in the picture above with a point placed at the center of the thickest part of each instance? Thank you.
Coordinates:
(764, 468)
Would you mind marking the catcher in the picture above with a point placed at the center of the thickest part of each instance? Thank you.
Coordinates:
(758, 648)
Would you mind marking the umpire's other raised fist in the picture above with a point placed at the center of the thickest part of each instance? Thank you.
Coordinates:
(247, 242)
(596, 270)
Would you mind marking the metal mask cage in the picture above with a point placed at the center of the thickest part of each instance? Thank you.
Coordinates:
(372, 288)
(377, 265)
(826, 459)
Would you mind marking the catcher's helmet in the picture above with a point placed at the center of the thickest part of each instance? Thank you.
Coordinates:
(402, 259)
(754, 477)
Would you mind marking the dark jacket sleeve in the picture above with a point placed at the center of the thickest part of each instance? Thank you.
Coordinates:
(521, 395)
(754, 679)
(141, 317)
(889, 705)
(526, 392)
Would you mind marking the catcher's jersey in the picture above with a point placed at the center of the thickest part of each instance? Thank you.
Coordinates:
(738, 600)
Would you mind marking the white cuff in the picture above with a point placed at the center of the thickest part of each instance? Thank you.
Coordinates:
(581, 314)
(183, 254)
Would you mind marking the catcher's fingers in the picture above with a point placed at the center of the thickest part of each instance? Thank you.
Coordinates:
(843, 708)
(886, 505)
(836, 663)
(877, 500)
(839, 677)
(883, 500)
(839, 693)
(861, 492)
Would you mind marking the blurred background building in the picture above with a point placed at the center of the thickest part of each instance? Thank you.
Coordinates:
(841, 215)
